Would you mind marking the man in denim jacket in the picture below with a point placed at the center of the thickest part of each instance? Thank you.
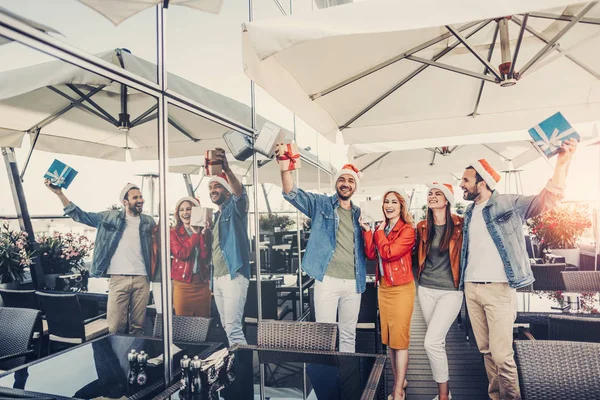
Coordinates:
(230, 249)
(335, 253)
(122, 251)
(494, 262)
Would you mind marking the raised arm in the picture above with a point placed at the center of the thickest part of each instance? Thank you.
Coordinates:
(234, 182)
(88, 218)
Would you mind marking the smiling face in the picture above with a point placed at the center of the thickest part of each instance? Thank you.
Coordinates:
(185, 212)
(469, 185)
(345, 186)
(392, 206)
(134, 202)
(218, 194)
(436, 199)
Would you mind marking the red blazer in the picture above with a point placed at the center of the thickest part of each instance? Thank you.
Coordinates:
(182, 248)
(395, 251)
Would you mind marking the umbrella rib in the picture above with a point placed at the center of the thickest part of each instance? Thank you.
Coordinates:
(142, 116)
(490, 53)
(376, 160)
(50, 119)
(93, 103)
(182, 130)
(485, 62)
(392, 61)
(556, 38)
(79, 105)
(452, 68)
(538, 35)
(586, 20)
(518, 46)
(410, 76)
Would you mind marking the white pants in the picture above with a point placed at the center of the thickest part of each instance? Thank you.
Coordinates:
(230, 298)
(336, 296)
(440, 308)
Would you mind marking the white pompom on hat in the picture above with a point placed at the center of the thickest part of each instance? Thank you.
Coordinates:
(126, 189)
(446, 188)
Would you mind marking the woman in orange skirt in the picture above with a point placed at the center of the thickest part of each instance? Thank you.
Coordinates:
(392, 244)
(189, 267)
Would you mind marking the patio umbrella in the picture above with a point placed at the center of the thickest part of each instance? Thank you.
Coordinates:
(33, 24)
(68, 110)
(382, 70)
(117, 11)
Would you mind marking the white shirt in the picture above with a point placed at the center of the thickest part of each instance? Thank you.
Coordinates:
(128, 258)
(483, 263)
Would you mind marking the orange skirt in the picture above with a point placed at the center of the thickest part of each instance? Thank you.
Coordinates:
(396, 305)
(192, 299)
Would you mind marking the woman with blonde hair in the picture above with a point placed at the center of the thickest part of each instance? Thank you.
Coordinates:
(439, 243)
(190, 268)
(392, 244)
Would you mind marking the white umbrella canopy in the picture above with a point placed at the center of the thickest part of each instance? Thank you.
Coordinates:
(33, 24)
(117, 11)
(382, 70)
(42, 96)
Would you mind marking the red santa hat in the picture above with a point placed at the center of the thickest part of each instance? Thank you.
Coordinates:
(445, 188)
(485, 170)
(348, 169)
(221, 179)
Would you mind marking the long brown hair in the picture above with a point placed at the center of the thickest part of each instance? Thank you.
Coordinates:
(448, 229)
(404, 214)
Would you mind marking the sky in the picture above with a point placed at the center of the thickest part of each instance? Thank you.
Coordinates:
(205, 49)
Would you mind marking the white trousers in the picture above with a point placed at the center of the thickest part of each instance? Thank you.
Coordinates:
(230, 298)
(440, 308)
(335, 297)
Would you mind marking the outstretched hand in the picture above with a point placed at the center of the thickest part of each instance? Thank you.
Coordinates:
(568, 148)
(54, 189)
(220, 156)
(363, 224)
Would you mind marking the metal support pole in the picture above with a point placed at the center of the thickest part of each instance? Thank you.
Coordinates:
(504, 67)
(264, 189)
(37, 273)
(188, 184)
(163, 152)
(298, 239)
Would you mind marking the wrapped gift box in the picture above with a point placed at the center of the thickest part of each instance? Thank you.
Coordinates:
(211, 165)
(200, 216)
(267, 139)
(371, 210)
(288, 156)
(60, 174)
(239, 145)
(549, 134)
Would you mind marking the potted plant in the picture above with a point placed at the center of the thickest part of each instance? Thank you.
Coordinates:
(63, 254)
(559, 230)
(15, 256)
(274, 222)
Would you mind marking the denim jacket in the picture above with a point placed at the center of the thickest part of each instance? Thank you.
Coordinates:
(110, 226)
(321, 210)
(233, 234)
(504, 216)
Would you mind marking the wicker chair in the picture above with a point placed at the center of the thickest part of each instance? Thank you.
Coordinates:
(16, 334)
(185, 329)
(558, 370)
(582, 281)
(25, 299)
(297, 335)
(547, 276)
(573, 328)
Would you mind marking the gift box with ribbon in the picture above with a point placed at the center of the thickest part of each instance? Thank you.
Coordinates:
(549, 134)
(288, 156)
(60, 174)
(371, 211)
(211, 165)
(200, 216)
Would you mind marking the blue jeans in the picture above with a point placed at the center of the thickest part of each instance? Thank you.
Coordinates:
(230, 297)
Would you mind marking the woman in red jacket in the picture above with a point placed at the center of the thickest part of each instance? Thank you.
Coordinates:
(189, 268)
(392, 245)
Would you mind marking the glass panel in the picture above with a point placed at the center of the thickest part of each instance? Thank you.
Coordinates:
(101, 29)
(96, 264)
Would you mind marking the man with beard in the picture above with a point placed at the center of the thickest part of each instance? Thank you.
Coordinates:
(230, 249)
(122, 251)
(335, 253)
(494, 262)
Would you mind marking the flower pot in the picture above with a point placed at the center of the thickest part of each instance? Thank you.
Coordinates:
(571, 255)
(50, 280)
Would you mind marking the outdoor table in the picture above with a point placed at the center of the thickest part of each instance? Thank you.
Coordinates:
(98, 368)
(330, 374)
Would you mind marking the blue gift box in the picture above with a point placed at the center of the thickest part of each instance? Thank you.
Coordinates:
(60, 174)
(549, 134)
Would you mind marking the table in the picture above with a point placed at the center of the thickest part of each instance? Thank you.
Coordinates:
(95, 369)
(353, 376)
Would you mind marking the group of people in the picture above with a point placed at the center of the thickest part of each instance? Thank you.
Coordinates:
(481, 257)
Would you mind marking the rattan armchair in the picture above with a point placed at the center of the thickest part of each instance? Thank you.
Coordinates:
(547, 276)
(297, 335)
(574, 328)
(185, 329)
(558, 370)
(16, 336)
(582, 281)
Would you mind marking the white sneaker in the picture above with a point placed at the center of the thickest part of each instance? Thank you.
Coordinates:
(438, 397)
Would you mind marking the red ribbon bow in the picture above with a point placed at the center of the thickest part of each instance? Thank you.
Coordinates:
(289, 155)
(208, 162)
